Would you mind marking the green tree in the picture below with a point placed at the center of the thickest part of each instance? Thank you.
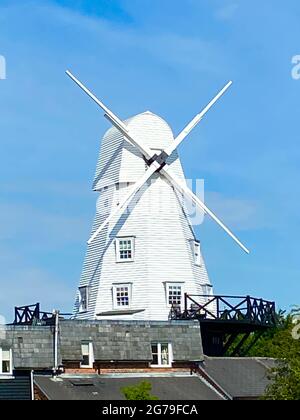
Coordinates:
(141, 391)
(283, 344)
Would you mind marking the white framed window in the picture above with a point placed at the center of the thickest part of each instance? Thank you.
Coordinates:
(125, 249)
(122, 295)
(174, 294)
(5, 361)
(197, 254)
(161, 354)
(87, 354)
(83, 298)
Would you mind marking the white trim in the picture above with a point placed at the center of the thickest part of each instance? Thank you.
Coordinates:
(159, 355)
(31, 385)
(117, 246)
(10, 363)
(114, 295)
(91, 354)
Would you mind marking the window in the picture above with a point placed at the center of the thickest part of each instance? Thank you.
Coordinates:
(174, 294)
(161, 354)
(87, 354)
(122, 295)
(207, 289)
(83, 299)
(197, 255)
(124, 249)
(6, 361)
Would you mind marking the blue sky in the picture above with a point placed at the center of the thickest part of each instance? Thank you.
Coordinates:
(170, 57)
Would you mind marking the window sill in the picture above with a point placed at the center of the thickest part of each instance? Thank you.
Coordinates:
(6, 376)
(120, 312)
(161, 366)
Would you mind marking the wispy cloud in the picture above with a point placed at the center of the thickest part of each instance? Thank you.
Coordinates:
(237, 213)
(226, 12)
(172, 48)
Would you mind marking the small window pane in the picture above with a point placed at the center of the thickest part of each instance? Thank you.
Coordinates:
(154, 348)
(5, 366)
(164, 354)
(154, 359)
(5, 354)
(85, 349)
(85, 361)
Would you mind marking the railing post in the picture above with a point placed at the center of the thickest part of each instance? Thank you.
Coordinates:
(185, 302)
(16, 315)
(249, 309)
(38, 310)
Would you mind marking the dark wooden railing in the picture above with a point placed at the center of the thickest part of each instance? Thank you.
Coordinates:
(227, 309)
(32, 315)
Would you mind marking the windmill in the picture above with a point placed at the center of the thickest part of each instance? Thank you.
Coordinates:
(140, 262)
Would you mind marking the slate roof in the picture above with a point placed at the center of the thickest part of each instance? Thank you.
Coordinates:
(32, 346)
(104, 388)
(240, 377)
(121, 340)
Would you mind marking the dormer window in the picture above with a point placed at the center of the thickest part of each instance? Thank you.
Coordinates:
(161, 354)
(125, 249)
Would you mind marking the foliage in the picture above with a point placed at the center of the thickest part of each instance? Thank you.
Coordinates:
(142, 391)
(283, 344)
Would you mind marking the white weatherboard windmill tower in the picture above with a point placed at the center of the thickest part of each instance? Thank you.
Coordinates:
(142, 255)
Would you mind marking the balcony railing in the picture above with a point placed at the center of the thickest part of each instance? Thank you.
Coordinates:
(32, 315)
(226, 309)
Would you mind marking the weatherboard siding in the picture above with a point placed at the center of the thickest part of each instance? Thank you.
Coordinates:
(158, 221)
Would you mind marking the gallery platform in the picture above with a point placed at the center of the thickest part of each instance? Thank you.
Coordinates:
(227, 322)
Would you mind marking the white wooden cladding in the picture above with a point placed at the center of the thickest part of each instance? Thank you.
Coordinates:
(164, 238)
